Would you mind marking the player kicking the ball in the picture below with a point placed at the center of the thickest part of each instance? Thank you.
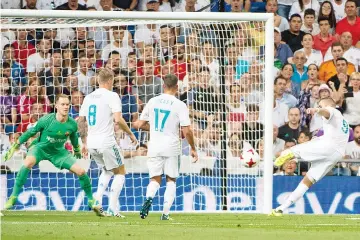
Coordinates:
(323, 153)
(101, 108)
(54, 129)
(163, 115)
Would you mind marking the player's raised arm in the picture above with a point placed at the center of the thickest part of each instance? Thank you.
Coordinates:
(324, 112)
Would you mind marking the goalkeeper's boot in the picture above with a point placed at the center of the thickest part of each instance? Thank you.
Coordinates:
(276, 213)
(284, 157)
(144, 212)
(10, 202)
(110, 213)
(166, 217)
(96, 207)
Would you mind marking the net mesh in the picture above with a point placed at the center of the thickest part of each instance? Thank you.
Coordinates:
(220, 67)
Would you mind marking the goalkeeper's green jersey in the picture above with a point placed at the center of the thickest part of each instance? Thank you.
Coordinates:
(53, 134)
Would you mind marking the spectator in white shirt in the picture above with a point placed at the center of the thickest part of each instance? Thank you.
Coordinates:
(352, 100)
(339, 8)
(40, 60)
(287, 169)
(147, 34)
(351, 53)
(312, 55)
(10, 4)
(209, 59)
(279, 21)
(278, 144)
(280, 113)
(167, 6)
(300, 6)
(85, 75)
(352, 151)
(117, 45)
(309, 25)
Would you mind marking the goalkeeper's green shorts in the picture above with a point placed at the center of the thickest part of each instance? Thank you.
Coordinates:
(60, 159)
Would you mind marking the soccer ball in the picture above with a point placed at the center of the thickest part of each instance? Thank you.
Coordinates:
(250, 158)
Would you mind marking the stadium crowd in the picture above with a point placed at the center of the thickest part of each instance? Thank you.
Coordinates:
(317, 55)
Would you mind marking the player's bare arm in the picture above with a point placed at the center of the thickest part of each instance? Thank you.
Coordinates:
(141, 124)
(321, 111)
(188, 133)
(123, 126)
(82, 128)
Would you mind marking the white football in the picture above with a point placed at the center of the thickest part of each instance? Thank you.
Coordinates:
(250, 158)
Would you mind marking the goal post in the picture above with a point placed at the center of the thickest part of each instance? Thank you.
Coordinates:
(256, 183)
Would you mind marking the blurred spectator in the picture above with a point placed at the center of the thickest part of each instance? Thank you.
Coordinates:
(114, 61)
(339, 8)
(300, 73)
(51, 77)
(71, 84)
(39, 60)
(146, 34)
(284, 7)
(4, 142)
(309, 25)
(141, 150)
(51, 33)
(252, 129)
(340, 78)
(287, 169)
(244, 44)
(351, 23)
(85, 75)
(352, 101)
(210, 144)
(324, 39)
(77, 98)
(289, 143)
(280, 113)
(34, 93)
(167, 6)
(240, 5)
(209, 59)
(236, 105)
(312, 55)
(127, 5)
(69, 64)
(351, 53)
(8, 113)
(164, 47)
(117, 45)
(180, 60)
(294, 35)
(152, 5)
(353, 151)
(202, 100)
(280, 94)
(128, 101)
(304, 136)
(17, 72)
(235, 145)
(279, 21)
(327, 11)
(291, 130)
(36, 112)
(278, 144)
(30, 5)
(283, 51)
(72, 5)
(23, 48)
(299, 7)
(328, 68)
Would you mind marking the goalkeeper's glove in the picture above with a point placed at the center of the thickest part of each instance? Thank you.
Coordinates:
(11, 151)
(77, 152)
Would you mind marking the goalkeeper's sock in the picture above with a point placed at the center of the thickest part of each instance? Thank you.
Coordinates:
(20, 180)
(103, 183)
(116, 188)
(169, 196)
(86, 186)
(294, 196)
(152, 188)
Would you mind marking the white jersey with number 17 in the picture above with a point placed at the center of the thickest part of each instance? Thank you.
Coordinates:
(98, 108)
(165, 114)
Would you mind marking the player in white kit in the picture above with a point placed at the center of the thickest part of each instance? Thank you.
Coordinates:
(163, 116)
(323, 153)
(98, 113)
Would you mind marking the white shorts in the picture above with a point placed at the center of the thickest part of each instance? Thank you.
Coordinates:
(321, 157)
(168, 166)
(109, 158)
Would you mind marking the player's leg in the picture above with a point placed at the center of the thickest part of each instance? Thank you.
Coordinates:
(35, 154)
(156, 166)
(171, 170)
(316, 172)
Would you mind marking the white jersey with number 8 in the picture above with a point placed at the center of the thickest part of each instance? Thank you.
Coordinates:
(165, 114)
(98, 108)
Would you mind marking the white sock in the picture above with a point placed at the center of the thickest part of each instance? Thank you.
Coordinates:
(115, 191)
(294, 196)
(169, 196)
(103, 183)
(152, 188)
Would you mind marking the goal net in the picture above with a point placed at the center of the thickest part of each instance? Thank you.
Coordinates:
(223, 65)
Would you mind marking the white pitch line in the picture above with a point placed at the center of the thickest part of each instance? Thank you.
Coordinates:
(352, 218)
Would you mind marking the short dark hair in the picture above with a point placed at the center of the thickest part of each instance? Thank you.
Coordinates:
(61, 96)
(5, 65)
(328, 99)
(341, 59)
(306, 133)
(323, 19)
(204, 69)
(294, 16)
(7, 46)
(277, 79)
(309, 11)
(113, 53)
(353, 1)
(170, 81)
(55, 50)
(306, 35)
(252, 108)
(336, 44)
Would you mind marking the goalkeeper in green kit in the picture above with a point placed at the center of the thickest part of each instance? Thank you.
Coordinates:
(54, 129)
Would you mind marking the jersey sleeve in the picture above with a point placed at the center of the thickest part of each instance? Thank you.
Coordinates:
(83, 112)
(331, 111)
(145, 115)
(39, 127)
(184, 115)
(115, 103)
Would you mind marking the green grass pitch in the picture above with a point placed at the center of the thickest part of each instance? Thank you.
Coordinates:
(85, 225)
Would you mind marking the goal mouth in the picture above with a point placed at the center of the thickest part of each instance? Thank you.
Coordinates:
(233, 54)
